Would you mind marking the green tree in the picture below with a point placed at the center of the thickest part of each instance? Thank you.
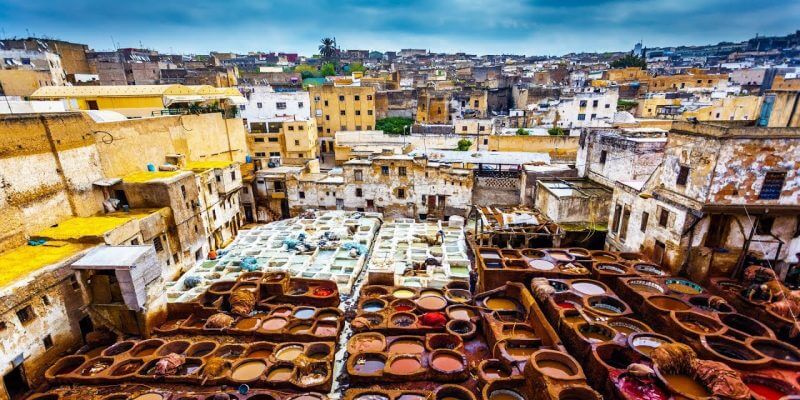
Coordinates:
(328, 69)
(522, 132)
(556, 131)
(356, 67)
(306, 71)
(626, 105)
(464, 145)
(394, 125)
(629, 60)
(327, 49)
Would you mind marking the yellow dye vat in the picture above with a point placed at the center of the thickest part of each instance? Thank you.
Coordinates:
(25, 259)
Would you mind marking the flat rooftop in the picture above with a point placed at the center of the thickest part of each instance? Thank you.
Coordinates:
(27, 259)
(83, 228)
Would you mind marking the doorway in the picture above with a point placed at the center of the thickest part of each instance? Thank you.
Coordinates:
(86, 326)
(16, 384)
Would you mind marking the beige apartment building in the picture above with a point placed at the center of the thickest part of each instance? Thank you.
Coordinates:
(341, 108)
(295, 142)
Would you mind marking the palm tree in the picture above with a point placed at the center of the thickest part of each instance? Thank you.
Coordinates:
(327, 49)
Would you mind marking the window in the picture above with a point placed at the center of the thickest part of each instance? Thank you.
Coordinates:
(259, 140)
(663, 218)
(280, 105)
(645, 217)
(385, 170)
(401, 171)
(595, 103)
(327, 118)
(274, 153)
(316, 98)
(582, 103)
(326, 103)
(581, 117)
(463, 129)
(46, 300)
(25, 314)
(357, 97)
(476, 103)
(47, 341)
(291, 127)
(233, 175)
(73, 282)
(358, 127)
(261, 154)
(683, 176)
(772, 186)
(299, 104)
(608, 105)
(401, 193)
(481, 128)
(617, 216)
(603, 156)
(272, 140)
(764, 226)
(358, 175)
(369, 127)
(259, 105)
(369, 112)
(358, 112)
(342, 112)
(359, 192)
(341, 98)
(593, 116)
(183, 191)
(302, 195)
(157, 244)
(369, 97)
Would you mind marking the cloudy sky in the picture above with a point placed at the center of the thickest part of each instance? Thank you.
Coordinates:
(543, 27)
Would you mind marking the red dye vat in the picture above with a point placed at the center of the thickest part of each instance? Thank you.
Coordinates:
(766, 392)
(566, 305)
(403, 307)
(638, 388)
(322, 291)
(433, 319)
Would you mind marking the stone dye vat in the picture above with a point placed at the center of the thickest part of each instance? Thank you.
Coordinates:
(412, 254)
(166, 392)
(315, 248)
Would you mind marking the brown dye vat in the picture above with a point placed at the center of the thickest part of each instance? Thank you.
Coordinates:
(578, 252)
(578, 393)
(517, 264)
(514, 331)
(328, 316)
(697, 323)
(190, 367)
(375, 291)
(560, 255)
(299, 327)
(461, 313)
(668, 303)
(645, 343)
(403, 305)
(519, 351)
(248, 370)
(511, 254)
(555, 369)
(502, 304)
(627, 326)
(615, 356)
(431, 303)
(448, 362)
(273, 324)
(246, 324)
(458, 295)
(453, 392)
(118, 348)
(201, 349)
(776, 349)
(221, 288)
(146, 348)
(66, 365)
(127, 367)
(603, 256)
(463, 328)
(177, 347)
(403, 365)
(96, 366)
(406, 346)
(371, 396)
(289, 353)
(297, 289)
(411, 396)
(366, 342)
(731, 350)
(369, 364)
(318, 351)
(149, 396)
(494, 369)
(281, 312)
(280, 373)
(746, 325)
(314, 375)
(505, 394)
(686, 385)
(443, 341)
(645, 286)
(596, 333)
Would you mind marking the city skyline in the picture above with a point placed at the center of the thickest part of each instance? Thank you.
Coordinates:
(519, 27)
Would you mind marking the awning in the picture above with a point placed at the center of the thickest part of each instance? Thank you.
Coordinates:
(237, 100)
(187, 98)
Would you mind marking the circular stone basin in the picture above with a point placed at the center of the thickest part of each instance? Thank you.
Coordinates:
(502, 304)
(447, 362)
(541, 265)
(603, 256)
(432, 303)
(505, 394)
(328, 316)
(460, 313)
(280, 373)
(668, 303)
(273, 324)
(745, 324)
(627, 326)
(411, 396)
(403, 305)
(403, 319)
(515, 331)
(684, 286)
(697, 323)
(246, 324)
(301, 327)
(559, 286)
(578, 252)
(767, 388)
(281, 312)
(645, 343)
(366, 342)
(649, 269)
(702, 303)
(149, 396)
(458, 295)
(404, 365)
(555, 365)
(495, 370)
(371, 396)
(118, 348)
(96, 365)
(560, 255)
(607, 268)
(519, 351)
(289, 353)
(369, 364)
(304, 313)
(373, 305)
(606, 305)
(776, 349)
(146, 348)
(127, 367)
(374, 291)
(686, 385)
(403, 294)
(588, 287)
(645, 286)
(318, 351)
(406, 346)
(596, 333)
(444, 341)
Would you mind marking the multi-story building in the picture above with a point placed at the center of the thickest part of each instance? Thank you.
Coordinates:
(34, 60)
(72, 55)
(284, 141)
(265, 105)
(433, 108)
(341, 108)
(591, 107)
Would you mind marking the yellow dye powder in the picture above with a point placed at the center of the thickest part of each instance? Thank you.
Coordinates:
(81, 228)
(23, 260)
(147, 176)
